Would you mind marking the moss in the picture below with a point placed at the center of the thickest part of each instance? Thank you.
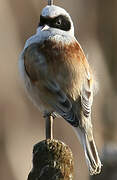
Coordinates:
(52, 160)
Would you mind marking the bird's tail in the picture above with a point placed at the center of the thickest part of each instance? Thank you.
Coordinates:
(90, 150)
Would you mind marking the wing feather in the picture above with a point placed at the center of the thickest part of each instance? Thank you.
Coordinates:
(87, 95)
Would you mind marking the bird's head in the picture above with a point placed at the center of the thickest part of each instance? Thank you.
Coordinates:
(56, 20)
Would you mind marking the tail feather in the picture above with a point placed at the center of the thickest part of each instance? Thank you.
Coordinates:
(90, 150)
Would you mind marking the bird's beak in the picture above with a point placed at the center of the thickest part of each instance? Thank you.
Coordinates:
(44, 28)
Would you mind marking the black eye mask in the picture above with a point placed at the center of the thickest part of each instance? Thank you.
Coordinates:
(59, 22)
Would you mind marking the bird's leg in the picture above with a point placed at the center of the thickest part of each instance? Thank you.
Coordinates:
(49, 125)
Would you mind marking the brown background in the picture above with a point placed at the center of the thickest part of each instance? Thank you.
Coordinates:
(21, 125)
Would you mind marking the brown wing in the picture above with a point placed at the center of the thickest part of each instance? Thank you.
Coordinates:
(86, 83)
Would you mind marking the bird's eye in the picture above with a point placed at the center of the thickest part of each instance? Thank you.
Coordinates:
(58, 22)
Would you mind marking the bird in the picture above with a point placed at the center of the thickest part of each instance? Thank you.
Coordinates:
(58, 78)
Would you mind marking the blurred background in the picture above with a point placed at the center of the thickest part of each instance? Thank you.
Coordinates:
(21, 124)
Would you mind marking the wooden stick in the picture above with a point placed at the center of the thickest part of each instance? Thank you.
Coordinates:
(50, 2)
(49, 127)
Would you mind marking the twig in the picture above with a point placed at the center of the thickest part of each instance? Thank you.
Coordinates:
(50, 2)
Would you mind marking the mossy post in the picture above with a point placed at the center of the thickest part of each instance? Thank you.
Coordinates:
(52, 159)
